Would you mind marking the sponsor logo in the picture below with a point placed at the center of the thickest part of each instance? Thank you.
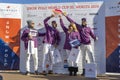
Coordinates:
(8, 6)
(90, 70)
(93, 13)
(116, 6)
(81, 14)
(8, 9)
(31, 15)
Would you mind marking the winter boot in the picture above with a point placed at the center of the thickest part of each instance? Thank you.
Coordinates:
(83, 73)
(75, 71)
(70, 69)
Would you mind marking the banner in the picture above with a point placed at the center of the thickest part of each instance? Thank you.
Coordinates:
(113, 36)
(10, 25)
(93, 11)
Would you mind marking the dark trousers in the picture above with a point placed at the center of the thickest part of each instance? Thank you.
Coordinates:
(73, 71)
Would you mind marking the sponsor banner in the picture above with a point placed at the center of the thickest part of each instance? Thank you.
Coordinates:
(93, 11)
(10, 10)
(112, 8)
(113, 44)
(113, 36)
(10, 25)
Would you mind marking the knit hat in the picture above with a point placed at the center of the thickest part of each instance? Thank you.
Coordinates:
(53, 21)
(29, 21)
(83, 19)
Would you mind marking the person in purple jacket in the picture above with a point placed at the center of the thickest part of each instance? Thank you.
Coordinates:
(71, 34)
(51, 41)
(85, 34)
(29, 36)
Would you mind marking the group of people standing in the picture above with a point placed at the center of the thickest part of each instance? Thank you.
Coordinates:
(52, 39)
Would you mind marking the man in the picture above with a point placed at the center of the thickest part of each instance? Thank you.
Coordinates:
(51, 41)
(29, 36)
(85, 34)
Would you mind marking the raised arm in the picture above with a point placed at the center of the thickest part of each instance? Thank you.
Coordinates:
(46, 21)
(70, 20)
(62, 25)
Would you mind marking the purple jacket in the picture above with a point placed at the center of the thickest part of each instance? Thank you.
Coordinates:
(85, 32)
(69, 36)
(52, 34)
(25, 37)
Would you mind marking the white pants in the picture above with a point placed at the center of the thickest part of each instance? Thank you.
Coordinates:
(70, 63)
(48, 50)
(35, 59)
(86, 49)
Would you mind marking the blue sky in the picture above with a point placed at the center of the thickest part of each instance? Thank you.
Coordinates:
(43, 1)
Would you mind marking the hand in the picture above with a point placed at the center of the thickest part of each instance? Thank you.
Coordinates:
(64, 13)
(53, 15)
(96, 39)
(30, 37)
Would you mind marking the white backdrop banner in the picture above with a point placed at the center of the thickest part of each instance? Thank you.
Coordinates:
(93, 11)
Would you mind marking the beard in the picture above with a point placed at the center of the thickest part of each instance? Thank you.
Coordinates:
(31, 26)
(84, 25)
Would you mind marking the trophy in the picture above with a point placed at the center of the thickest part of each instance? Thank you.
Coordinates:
(58, 12)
